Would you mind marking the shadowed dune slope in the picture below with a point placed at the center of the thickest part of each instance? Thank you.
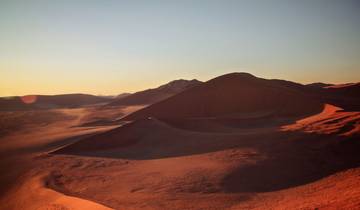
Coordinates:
(234, 95)
(346, 96)
(149, 139)
(154, 95)
(346, 90)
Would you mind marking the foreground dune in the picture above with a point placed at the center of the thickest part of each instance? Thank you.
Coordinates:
(247, 168)
(27, 135)
(172, 184)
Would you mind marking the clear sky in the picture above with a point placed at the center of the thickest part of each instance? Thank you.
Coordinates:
(110, 47)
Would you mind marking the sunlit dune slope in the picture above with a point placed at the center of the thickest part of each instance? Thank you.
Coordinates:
(33, 194)
(332, 120)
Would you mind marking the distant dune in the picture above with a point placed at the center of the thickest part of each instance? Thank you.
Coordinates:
(154, 95)
(318, 85)
(346, 96)
(349, 90)
(122, 95)
(31, 102)
(235, 94)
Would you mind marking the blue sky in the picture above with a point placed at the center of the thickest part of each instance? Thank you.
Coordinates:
(109, 47)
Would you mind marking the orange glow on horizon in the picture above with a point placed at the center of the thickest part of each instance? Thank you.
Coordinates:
(29, 99)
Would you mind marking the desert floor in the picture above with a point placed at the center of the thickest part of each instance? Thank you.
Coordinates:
(247, 163)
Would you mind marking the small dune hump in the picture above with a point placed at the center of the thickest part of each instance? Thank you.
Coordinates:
(235, 94)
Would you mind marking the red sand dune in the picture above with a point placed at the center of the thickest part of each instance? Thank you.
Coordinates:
(146, 139)
(233, 94)
(332, 120)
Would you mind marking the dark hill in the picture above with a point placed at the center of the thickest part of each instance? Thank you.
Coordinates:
(235, 95)
(154, 95)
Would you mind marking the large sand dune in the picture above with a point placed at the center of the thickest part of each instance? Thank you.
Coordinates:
(235, 94)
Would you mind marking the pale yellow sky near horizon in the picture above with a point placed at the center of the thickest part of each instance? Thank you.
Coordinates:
(111, 47)
(97, 84)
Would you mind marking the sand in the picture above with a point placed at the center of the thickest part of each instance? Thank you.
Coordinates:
(244, 168)
(26, 136)
(33, 194)
(332, 120)
(90, 158)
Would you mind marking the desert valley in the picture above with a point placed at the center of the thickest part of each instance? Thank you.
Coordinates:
(236, 141)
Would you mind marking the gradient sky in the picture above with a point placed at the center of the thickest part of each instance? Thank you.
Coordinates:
(109, 47)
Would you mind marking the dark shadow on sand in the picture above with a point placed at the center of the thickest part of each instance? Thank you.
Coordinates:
(301, 159)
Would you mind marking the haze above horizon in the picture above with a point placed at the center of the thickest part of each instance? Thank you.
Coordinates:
(110, 47)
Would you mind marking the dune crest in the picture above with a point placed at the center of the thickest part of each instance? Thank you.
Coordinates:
(332, 120)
